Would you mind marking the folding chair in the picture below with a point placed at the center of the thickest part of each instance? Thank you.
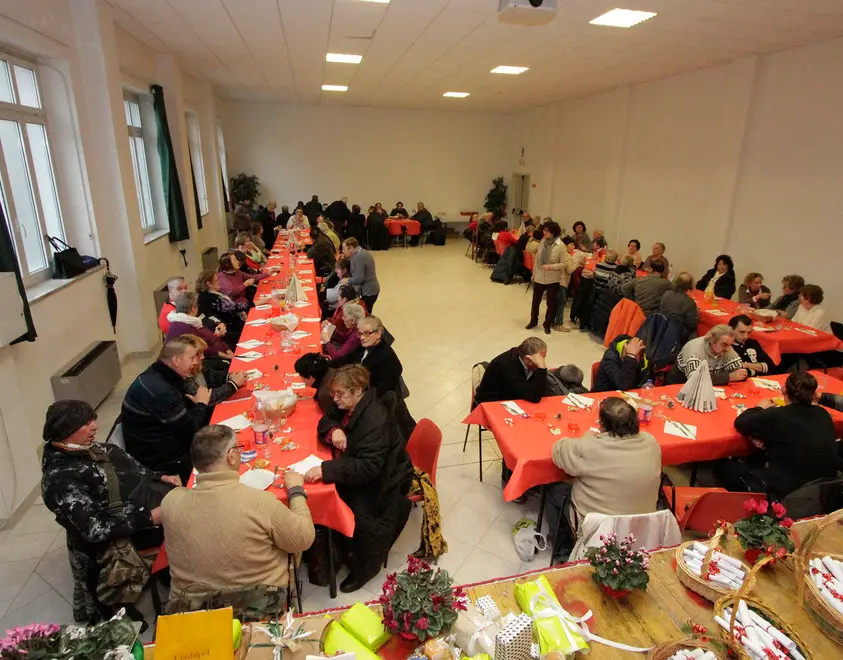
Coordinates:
(477, 372)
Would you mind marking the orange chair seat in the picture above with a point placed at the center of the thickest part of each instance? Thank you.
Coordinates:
(686, 496)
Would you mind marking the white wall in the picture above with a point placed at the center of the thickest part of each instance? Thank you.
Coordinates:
(90, 62)
(445, 159)
(744, 158)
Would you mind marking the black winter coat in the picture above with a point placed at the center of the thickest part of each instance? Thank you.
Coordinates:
(506, 379)
(159, 421)
(619, 373)
(323, 254)
(385, 368)
(724, 287)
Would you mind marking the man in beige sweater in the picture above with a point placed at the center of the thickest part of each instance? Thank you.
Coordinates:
(616, 471)
(225, 535)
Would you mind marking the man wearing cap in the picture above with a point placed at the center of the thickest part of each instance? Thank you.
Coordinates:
(74, 486)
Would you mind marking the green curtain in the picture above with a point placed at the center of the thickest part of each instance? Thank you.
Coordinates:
(176, 213)
(224, 193)
(195, 195)
(9, 264)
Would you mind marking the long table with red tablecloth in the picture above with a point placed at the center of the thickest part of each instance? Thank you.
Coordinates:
(526, 443)
(777, 338)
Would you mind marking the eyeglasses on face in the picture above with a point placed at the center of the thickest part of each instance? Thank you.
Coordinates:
(367, 333)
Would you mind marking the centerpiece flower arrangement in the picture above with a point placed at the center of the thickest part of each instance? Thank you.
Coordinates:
(420, 602)
(619, 569)
(765, 532)
(107, 640)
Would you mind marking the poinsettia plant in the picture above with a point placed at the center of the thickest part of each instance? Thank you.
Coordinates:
(44, 641)
(766, 529)
(617, 565)
(420, 601)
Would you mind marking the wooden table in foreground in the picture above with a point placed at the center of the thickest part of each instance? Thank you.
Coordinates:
(654, 616)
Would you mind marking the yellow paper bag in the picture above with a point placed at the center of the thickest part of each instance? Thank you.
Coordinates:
(204, 635)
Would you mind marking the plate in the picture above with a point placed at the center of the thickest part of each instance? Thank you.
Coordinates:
(259, 479)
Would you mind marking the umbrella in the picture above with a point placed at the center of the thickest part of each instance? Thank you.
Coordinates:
(110, 293)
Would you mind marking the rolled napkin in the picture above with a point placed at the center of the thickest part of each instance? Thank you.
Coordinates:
(826, 582)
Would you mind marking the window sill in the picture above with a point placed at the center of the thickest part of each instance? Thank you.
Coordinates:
(42, 290)
(153, 236)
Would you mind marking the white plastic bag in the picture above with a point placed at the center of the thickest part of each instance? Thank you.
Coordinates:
(528, 539)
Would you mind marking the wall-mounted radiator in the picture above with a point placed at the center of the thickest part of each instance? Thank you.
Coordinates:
(91, 375)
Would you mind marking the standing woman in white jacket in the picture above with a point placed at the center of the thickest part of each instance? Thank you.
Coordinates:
(549, 265)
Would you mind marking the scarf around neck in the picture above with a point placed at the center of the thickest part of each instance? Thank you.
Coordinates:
(179, 317)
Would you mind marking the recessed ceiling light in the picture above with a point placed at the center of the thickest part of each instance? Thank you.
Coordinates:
(511, 70)
(345, 59)
(623, 18)
(456, 95)
(334, 88)
(383, 2)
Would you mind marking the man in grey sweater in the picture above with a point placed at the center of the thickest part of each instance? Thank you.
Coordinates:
(363, 276)
(647, 291)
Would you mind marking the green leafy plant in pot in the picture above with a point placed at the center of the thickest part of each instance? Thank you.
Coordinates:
(245, 187)
(619, 569)
(496, 197)
(766, 531)
(420, 603)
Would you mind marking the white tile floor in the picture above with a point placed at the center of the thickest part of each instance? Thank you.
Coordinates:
(446, 316)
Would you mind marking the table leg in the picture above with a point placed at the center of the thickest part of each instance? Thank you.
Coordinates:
(480, 450)
(542, 498)
(332, 570)
(694, 475)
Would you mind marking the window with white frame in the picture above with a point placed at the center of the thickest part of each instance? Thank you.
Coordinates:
(28, 190)
(223, 165)
(140, 167)
(195, 141)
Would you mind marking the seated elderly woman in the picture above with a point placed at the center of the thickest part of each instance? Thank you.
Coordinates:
(185, 320)
(720, 280)
(346, 348)
(234, 283)
(76, 474)
(316, 371)
(329, 292)
(220, 308)
(255, 259)
(811, 312)
(753, 292)
(347, 294)
(787, 304)
(724, 364)
(371, 470)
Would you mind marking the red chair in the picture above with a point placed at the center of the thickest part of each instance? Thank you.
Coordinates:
(699, 509)
(424, 445)
(159, 565)
(594, 367)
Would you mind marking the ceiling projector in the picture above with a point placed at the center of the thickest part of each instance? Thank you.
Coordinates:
(527, 12)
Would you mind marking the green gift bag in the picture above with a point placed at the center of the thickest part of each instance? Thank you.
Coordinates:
(366, 626)
(336, 639)
(555, 629)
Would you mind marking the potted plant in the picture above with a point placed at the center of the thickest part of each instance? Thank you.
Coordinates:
(419, 602)
(619, 569)
(496, 198)
(245, 188)
(765, 532)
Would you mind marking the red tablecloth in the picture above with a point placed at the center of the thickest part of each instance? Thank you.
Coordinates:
(395, 227)
(326, 507)
(526, 443)
(787, 339)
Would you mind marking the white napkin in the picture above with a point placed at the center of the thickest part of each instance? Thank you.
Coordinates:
(298, 386)
(262, 308)
(238, 422)
(249, 355)
(258, 321)
(299, 334)
(302, 303)
(311, 319)
(720, 393)
(304, 465)
(254, 374)
(512, 408)
(762, 328)
(767, 384)
(250, 343)
(717, 312)
(675, 429)
(307, 288)
(578, 400)
(807, 331)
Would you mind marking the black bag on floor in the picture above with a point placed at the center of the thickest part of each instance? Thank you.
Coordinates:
(436, 236)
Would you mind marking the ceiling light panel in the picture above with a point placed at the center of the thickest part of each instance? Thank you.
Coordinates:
(456, 95)
(383, 2)
(623, 18)
(343, 58)
(510, 70)
(334, 88)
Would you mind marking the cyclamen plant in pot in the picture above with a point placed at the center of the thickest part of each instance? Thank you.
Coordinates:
(766, 532)
(619, 569)
(419, 602)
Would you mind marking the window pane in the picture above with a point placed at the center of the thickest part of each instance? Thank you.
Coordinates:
(144, 191)
(135, 110)
(27, 87)
(7, 92)
(128, 112)
(21, 194)
(43, 166)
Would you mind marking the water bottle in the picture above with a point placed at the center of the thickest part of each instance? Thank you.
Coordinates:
(648, 388)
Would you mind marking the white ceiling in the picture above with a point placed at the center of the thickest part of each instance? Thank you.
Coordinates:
(415, 50)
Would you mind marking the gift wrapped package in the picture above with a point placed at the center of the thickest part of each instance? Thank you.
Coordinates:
(365, 625)
(514, 641)
(263, 646)
(556, 629)
(489, 608)
(337, 639)
(475, 633)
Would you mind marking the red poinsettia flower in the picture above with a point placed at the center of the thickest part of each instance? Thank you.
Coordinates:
(763, 506)
(751, 505)
(779, 510)
(786, 522)
(422, 623)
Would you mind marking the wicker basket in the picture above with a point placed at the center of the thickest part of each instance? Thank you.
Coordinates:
(665, 651)
(729, 635)
(826, 618)
(708, 590)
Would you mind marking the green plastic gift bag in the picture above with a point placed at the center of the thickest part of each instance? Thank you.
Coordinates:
(553, 632)
(366, 626)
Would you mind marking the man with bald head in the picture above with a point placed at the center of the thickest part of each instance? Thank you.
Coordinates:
(678, 305)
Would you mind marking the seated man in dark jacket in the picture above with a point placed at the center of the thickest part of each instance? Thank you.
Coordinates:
(755, 359)
(798, 443)
(322, 252)
(519, 373)
(159, 417)
(624, 366)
